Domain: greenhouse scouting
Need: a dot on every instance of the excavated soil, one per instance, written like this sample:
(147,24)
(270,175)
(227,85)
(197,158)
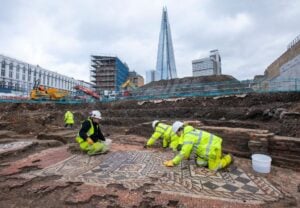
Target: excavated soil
(128,123)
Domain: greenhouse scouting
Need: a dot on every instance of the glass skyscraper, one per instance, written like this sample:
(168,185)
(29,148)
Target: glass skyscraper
(165,64)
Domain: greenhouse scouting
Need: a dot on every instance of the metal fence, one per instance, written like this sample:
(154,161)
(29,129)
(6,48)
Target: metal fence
(211,89)
(187,90)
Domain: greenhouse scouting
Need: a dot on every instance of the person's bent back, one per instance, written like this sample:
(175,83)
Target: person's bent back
(206,146)
(163,131)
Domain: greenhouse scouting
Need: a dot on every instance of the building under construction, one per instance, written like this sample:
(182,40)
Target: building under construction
(108,73)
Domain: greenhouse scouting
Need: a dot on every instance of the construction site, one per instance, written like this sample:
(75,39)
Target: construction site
(42,165)
(72,143)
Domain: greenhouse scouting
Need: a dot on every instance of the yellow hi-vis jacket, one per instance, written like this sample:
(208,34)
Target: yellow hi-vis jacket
(165,132)
(90,132)
(69,118)
(201,142)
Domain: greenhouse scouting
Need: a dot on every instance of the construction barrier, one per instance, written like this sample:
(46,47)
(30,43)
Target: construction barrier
(210,89)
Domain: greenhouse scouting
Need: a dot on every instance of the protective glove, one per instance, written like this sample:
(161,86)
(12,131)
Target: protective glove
(169,163)
(146,146)
(89,141)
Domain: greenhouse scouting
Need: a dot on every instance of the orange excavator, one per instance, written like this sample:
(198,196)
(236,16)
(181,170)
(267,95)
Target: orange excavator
(40,92)
(87,91)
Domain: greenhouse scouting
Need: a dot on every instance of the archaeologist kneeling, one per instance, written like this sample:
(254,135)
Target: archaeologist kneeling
(90,137)
(206,146)
(165,132)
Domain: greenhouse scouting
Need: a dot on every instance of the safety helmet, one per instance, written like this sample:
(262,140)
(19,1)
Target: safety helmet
(176,126)
(154,123)
(96,114)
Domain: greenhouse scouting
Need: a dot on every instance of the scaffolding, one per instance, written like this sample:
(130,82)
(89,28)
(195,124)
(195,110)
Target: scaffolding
(107,73)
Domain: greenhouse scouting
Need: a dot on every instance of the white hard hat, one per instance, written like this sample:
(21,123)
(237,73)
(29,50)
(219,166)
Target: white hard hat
(154,123)
(177,125)
(96,114)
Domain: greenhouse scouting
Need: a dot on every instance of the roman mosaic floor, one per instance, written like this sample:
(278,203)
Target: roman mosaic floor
(135,169)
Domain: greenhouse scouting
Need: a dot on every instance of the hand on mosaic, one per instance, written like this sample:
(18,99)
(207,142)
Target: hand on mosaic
(169,163)
(89,140)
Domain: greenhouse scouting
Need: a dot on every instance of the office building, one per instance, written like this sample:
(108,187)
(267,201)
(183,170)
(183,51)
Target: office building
(208,66)
(151,75)
(108,73)
(20,77)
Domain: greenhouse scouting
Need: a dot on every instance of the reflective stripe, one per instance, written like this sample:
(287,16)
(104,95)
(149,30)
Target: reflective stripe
(90,132)
(164,128)
(188,142)
(201,163)
(170,136)
(209,144)
(198,141)
(193,133)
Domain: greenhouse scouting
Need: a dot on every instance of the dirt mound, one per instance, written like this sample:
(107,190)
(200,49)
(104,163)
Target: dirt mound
(190,80)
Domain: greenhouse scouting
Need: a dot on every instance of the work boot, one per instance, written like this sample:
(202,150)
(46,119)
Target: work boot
(104,150)
(91,153)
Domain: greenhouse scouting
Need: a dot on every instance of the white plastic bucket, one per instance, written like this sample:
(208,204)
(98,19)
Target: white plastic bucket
(261,163)
(108,142)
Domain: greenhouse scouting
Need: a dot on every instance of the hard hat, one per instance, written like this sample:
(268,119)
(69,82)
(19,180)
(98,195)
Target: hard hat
(176,126)
(96,114)
(154,123)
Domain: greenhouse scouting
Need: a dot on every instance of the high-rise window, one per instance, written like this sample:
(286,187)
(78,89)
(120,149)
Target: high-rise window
(29,74)
(44,79)
(34,75)
(17,86)
(10,73)
(3,64)
(48,80)
(24,73)
(51,80)
(18,72)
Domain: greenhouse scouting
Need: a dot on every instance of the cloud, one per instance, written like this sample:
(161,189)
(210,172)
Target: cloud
(61,35)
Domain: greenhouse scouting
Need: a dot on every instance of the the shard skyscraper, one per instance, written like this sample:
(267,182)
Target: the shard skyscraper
(165,64)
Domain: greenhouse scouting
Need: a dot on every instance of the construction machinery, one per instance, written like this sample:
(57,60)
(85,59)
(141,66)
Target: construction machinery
(128,86)
(40,92)
(87,91)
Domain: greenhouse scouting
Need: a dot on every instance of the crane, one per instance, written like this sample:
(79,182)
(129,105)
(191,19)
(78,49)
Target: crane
(87,91)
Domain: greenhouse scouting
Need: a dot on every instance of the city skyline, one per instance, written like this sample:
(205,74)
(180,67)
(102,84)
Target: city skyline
(249,35)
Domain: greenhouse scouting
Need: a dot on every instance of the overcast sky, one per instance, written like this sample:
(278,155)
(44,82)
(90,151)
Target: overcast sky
(60,35)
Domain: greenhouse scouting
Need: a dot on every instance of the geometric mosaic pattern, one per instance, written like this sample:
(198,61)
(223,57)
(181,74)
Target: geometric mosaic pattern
(13,146)
(133,169)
